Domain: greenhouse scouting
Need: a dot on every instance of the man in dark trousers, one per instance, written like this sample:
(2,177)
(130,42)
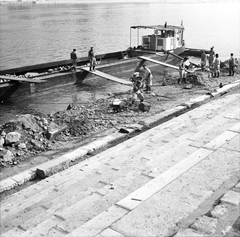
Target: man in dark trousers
(92,59)
(73,56)
(231,65)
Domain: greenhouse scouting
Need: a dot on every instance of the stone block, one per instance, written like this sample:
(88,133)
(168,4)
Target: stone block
(52,133)
(237,187)
(6,155)
(53,166)
(24,176)
(12,137)
(7,184)
(109,232)
(219,211)
(188,233)
(144,107)
(231,197)
(206,225)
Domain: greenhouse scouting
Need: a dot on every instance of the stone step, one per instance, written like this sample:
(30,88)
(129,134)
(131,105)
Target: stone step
(194,165)
(110,152)
(70,221)
(48,204)
(160,213)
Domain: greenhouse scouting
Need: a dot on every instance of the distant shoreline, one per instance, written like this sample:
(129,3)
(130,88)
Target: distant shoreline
(3,2)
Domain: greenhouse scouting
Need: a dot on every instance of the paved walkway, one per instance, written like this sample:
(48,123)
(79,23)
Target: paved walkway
(144,186)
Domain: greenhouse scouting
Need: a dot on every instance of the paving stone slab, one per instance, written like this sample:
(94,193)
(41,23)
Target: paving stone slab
(99,223)
(237,187)
(136,198)
(233,144)
(235,128)
(220,140)
(234,115)
(231,197)
(24,176)
(15,232)
(7,184)
(189,233)
(110,233)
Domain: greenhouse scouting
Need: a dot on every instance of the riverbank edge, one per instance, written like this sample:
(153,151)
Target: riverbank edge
(63,162)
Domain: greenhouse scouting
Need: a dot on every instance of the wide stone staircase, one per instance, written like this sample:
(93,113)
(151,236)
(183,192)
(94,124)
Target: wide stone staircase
(144,186)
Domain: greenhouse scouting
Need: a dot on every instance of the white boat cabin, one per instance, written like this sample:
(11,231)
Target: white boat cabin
(164,37)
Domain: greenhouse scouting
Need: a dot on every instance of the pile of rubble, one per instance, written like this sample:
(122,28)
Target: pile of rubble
(27,135)
(30,134)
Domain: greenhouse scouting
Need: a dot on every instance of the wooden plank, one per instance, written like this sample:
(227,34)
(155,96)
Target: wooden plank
(140,65)
(173,54)
(158,62)
(179,57)
(21,79)
(108,77)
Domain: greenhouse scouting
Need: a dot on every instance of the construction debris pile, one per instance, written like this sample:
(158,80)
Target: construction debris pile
(23,137)
(29,135)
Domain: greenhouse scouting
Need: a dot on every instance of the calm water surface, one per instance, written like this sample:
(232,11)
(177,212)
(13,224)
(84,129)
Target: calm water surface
(32,34)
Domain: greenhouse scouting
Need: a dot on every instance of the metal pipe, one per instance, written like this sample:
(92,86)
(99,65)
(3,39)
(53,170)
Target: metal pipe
(130,36)
(138,38)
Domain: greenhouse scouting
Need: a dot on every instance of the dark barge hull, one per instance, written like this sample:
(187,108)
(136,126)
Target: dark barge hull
(111,63)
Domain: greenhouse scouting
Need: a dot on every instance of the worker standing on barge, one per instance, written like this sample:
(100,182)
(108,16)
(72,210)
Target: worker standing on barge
(73,57)
(92,59)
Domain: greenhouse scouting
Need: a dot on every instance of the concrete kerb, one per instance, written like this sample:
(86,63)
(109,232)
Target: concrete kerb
(63,162)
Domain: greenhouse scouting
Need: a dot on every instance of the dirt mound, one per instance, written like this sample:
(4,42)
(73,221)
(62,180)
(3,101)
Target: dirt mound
(23,137)
(29,134)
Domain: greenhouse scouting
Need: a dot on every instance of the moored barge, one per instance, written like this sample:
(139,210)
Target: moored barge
(164,38)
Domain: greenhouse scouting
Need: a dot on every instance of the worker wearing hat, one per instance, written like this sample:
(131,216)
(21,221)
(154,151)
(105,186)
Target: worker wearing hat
(136,80)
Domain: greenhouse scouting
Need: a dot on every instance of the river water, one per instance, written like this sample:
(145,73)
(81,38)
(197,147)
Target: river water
(40,33)
(33,34)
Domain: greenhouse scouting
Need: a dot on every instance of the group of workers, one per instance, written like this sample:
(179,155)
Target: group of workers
(214,63)
(139,82)
(91,57)
(209,63)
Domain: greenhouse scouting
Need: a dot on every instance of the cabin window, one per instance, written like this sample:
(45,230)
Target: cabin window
(160,42)
(146,42)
